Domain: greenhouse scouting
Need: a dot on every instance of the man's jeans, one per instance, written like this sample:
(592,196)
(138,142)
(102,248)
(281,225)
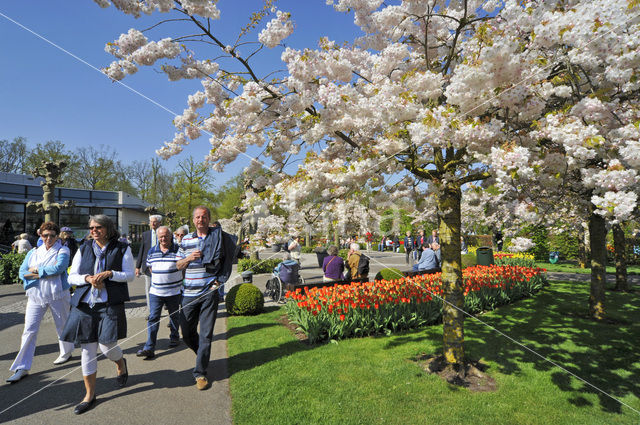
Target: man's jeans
(202,309)
(156,303)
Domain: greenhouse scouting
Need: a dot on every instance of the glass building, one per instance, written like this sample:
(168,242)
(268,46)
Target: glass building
(16,190)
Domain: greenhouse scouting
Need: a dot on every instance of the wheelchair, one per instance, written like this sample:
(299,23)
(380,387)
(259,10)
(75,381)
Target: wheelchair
(286,275)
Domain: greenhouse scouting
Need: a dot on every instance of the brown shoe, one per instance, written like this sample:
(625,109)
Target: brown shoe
(202,383)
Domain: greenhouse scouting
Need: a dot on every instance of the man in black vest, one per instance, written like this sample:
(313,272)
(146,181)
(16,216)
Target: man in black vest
(149,240)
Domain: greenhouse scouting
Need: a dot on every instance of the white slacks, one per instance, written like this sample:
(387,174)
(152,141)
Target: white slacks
(89,357)
(147,286)
(32,318)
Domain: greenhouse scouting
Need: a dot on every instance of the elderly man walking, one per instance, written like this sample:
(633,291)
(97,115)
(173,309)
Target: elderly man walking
(166,288)
(204,255)
(149,240)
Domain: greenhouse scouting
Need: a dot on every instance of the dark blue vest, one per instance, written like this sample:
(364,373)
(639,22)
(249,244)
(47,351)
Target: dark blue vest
(117,292)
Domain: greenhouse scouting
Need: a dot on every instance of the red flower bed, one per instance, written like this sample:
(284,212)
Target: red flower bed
(386,306)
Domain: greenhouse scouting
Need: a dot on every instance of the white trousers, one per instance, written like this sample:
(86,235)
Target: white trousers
(32,318)
(147,286)
(89,358)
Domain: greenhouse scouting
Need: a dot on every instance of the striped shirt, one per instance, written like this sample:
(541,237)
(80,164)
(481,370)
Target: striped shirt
(166,279)
(196,279)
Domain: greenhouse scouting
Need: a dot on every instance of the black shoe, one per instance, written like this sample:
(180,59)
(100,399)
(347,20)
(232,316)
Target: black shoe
(84,406)
(174,343)
(121,380)
(147,354)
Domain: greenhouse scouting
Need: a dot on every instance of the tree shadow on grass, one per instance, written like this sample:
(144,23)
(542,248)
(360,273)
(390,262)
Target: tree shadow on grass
(249,360)
(554,324)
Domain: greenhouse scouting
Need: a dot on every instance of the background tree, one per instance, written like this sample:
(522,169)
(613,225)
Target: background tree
(229,197)
(99,169)
(51,150)
(192,187)
(152,182)
(12,155)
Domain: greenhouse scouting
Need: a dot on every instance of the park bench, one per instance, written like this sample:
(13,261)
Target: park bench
(322,284)
(411,273)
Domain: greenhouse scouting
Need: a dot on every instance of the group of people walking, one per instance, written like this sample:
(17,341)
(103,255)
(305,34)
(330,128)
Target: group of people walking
(184,271)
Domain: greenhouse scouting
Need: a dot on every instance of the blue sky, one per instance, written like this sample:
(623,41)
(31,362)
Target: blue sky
(47,94)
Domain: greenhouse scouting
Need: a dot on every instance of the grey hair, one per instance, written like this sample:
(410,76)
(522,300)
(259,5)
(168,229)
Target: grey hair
(156,217)
(184,229)
(107,223)
(333,250)
(164,227)
(203,208)
(354,246)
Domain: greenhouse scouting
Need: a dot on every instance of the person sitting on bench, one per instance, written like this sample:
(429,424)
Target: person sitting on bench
(333,265)
(428,260)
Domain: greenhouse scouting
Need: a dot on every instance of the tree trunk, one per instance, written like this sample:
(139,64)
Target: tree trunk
(597,242)
(336,237)
(308,240)
(620,249)
(582,248)
(453,318)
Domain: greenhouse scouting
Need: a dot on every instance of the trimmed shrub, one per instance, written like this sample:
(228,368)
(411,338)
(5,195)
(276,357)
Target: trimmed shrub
(244,299)
(258,266)
(307,249)
(343,253)
(567,244)
(10,266)
(469,260)
(389,274)
(540,236)
(479,240)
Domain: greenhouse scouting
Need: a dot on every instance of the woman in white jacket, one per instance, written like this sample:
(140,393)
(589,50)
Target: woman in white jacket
(44,273)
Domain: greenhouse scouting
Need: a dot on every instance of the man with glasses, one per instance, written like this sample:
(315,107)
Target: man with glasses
(149,240)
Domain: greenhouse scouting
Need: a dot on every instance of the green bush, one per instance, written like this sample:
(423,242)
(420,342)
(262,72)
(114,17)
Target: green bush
(401,249)
(567,244)
(10,266)
(363,246)
(389,274)
(244,299)
(540,236)
(469,260)
(343,253)
(307,249)
(258,266)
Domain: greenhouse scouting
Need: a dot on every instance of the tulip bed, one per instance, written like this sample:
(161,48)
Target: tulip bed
(387,306)
(514,259)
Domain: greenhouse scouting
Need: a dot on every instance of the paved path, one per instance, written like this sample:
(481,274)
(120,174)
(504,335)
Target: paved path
(160,390)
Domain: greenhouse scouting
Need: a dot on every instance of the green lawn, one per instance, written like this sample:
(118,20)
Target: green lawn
(567,267)
(278,380)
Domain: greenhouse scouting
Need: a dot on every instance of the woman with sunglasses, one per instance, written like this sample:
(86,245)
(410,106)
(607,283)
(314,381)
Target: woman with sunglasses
(101,269)
(44,273)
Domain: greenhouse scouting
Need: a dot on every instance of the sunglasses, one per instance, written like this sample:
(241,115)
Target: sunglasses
(95,227)
(48,235)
